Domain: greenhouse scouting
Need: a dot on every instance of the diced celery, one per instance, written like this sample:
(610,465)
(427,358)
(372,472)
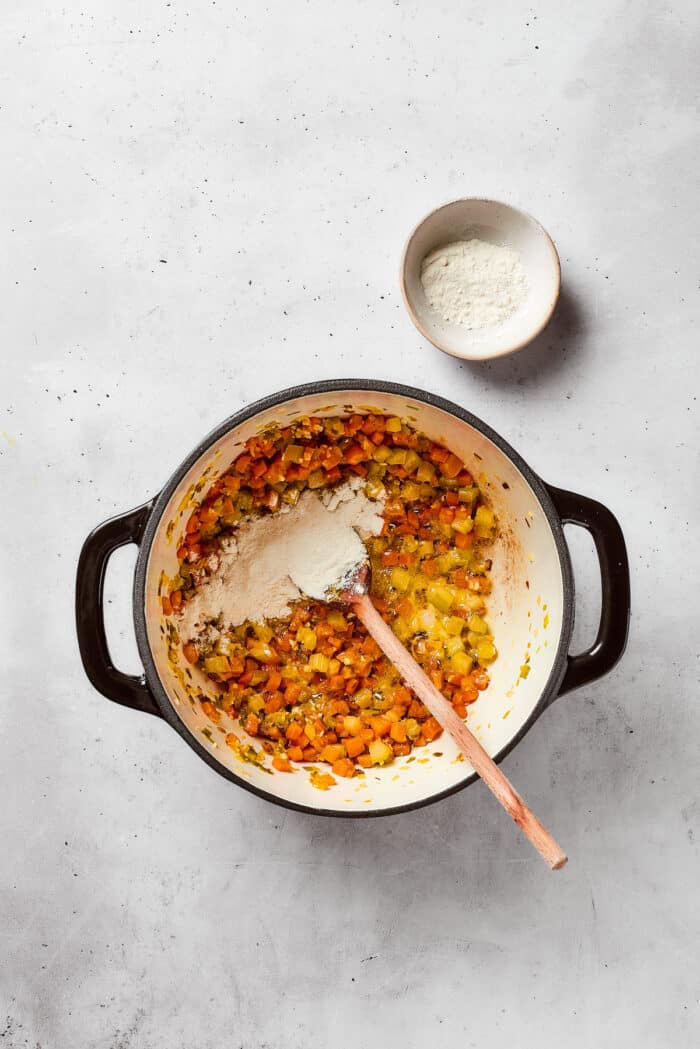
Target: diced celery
(307,637)
(462,663)
(440,596)
(468,495)
(380,752)
(336,619)
(423,620)
(478,625)
(293,453)
(244,501)
(319,663)
(316,479)
(484,522)
(393,425)
(374,489)
(453,645)
(413,460)
(463,524)
(454,625)
(410,492)
(426,548)
(412,728)
(398,457)
(446,562)
(402,628)
(261,651)
(363,698)
(465,599)
(256,703)
(376,471)
(486,651)
(216,665)
(291,496)
(263,632)
(426,473)
(400,578)
(382,453)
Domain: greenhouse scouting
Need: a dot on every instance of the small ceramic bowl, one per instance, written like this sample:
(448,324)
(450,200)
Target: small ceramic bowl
(497,223)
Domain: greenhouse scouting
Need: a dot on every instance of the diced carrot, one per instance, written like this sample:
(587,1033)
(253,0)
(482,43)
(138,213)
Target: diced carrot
(452,466)
(438,454)
(274,680)
(354,454)
(295,753)
(252,725)
(463,540)
(431,729)
(417,710)
(380,725)
(190,652)
(481,679)
(344,767)
(281,764)
(365,760)
(332,752)
(398,732)
(390,557)
(294,730)
(167,605)
(274,703)
(210,710)
(355,746)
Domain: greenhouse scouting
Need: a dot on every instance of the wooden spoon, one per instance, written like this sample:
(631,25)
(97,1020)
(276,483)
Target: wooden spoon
(356,596)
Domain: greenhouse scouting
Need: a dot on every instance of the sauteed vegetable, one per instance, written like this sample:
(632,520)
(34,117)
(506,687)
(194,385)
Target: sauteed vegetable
(314,687)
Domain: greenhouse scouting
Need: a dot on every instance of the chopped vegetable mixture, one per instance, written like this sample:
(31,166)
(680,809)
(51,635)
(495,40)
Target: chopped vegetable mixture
(315,687)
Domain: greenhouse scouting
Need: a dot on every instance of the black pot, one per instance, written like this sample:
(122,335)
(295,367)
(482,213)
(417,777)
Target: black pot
(531,610)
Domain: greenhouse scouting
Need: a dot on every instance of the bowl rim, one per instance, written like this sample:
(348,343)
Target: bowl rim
(154,522)
(415,319)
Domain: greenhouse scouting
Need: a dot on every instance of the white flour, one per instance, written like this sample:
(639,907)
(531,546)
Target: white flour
(473,283)
(273,560)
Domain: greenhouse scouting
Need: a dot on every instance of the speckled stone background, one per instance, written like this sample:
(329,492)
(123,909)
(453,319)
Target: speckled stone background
(202,203)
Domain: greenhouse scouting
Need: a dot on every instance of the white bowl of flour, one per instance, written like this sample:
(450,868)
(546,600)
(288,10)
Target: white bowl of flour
(480,279)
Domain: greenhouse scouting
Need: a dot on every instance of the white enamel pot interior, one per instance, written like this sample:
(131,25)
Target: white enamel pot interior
(530,610)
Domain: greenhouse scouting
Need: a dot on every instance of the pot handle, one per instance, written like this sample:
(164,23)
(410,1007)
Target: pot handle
(609,541)
(99,546)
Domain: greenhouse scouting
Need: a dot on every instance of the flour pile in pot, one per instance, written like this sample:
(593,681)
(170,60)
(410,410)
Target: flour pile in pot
(317,542)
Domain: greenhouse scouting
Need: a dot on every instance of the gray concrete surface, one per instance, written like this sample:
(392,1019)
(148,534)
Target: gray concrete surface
(203,203)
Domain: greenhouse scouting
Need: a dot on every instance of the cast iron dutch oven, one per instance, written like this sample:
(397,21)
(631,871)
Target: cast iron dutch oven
(531,610)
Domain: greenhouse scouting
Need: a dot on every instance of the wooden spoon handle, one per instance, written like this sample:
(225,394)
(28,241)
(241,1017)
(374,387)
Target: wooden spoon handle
(445,714)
